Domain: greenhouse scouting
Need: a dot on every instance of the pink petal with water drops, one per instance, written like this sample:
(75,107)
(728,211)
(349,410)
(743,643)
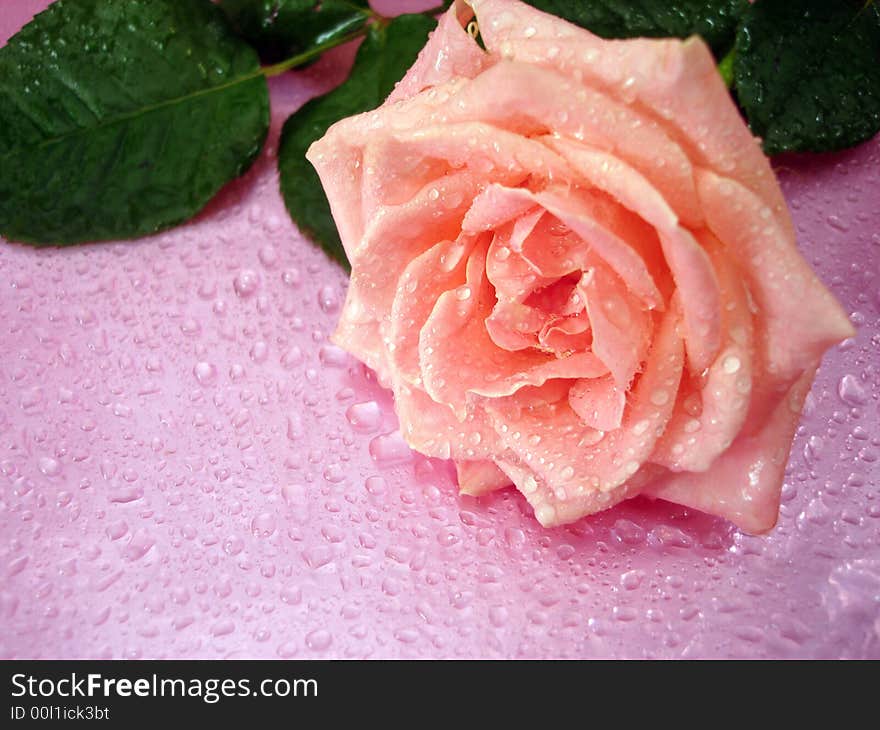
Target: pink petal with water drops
(565,335)
(597,225)
(599,402)
(800,319)
(458,357)
(690,266)
(744,483)
(514,326)
(439,269)
(495,206)
(673,83)
(449,53)
(358,333)
(435,430)
(575,470)
(476,478)
(621,330)
(712,407)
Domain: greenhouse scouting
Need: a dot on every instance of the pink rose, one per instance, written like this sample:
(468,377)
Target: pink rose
(573,264)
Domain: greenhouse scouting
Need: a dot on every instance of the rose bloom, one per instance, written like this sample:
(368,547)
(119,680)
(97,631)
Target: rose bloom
(574,267)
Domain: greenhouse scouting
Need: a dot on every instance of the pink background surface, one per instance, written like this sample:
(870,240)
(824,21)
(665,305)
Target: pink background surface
(189,469)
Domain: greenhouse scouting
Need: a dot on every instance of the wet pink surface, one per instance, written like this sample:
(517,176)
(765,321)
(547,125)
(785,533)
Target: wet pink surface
(189,469)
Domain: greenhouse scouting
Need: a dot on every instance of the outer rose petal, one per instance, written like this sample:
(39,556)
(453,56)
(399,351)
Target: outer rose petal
(713,407)
(672,82)
(495,97)
(399,163)
(380,239)
(573,470)
(449,53)
(576,111)
(476,478)
(401,234)
(743,485)
(439,269)
(358,333)
(432,428)
(798,317)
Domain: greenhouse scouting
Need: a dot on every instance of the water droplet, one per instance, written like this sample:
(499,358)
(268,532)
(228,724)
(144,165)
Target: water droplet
(390,449)
(327,299)
(205,373)
(319,639)
(292,358)
(223,628)
(140,544)
(660,397)
(287,650)
(246,282)
(851,391)
(731,364)
(233,545)
(259,352)
(291,277)
(632,579)
(50,466)
(263,525)
(268,255)
(365,417)
(291,595)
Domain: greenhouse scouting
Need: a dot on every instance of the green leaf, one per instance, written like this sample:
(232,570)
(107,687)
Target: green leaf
(121,118)
(807,73)
(383,58)
(714,20)
(282,28)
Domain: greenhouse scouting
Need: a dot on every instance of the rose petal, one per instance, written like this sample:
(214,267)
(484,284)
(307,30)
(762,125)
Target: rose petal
(439,269)
(380,250)
(396,236)
(599,402)
(458,357)
(573,470)
(495,206)
(573,109)
(712,409)
(744,483)
(513,277)
(691,267)
(358,333)
(594,223)
(567,335)
(398,162)
(449,53)
(671,82)
(476,478)
(513,326)
(800,318)
(432,428)
(598,225)
(621,331)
